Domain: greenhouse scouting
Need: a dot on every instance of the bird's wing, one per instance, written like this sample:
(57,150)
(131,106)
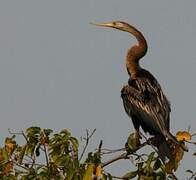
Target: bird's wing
(149,102)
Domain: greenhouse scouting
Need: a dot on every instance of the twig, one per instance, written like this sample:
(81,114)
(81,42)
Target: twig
(149,143)
(46,155)
(191,142)
(110,151)
(25,137)
(173,176)
(33,161)
(194,134)
(121,156)
(193,176)
(140,156)
(100,146)
(27,164)
(19,133)
(15,133)
(116,177)
(87,141)
(19,165)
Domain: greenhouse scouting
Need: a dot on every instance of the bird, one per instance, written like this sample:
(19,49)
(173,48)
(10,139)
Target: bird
(143,98)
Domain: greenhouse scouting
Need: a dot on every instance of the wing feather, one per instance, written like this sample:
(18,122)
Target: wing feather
(148,102)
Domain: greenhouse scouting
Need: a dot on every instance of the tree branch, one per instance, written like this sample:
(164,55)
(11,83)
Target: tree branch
(123,155)
(46,155)
(87,138)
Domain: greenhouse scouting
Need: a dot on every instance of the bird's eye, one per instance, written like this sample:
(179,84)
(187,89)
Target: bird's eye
(118,24)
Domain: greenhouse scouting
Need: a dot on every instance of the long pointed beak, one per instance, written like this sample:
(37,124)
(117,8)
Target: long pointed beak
(109,24)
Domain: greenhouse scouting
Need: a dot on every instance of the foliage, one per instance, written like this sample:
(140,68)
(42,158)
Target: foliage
(48,155)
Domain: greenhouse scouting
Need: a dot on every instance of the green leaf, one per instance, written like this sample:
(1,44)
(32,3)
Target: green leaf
(74,142)
(157,164)
(142,177)
(33,130)
(133,143)
(5,155)
(160,175)
(109,176)
(63,160)
(89,172)
(47,132)
(150,158)
(30,149)
(104,177)
(140,166)
(21,154)
(37,151)
(65,132)
(130,175)
(10,140)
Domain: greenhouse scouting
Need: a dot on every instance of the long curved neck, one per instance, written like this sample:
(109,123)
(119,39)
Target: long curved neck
(136,52)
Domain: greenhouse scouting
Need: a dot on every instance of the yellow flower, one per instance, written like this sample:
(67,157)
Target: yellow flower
(98,171)
(183,136)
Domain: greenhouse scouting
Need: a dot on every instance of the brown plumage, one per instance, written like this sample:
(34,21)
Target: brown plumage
(143,98)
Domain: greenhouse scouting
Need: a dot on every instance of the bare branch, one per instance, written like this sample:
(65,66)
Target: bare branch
(149,142)
(121,156)
(100,146)
(46,155)
(194,134)
(192,176)
(87,138)
(111,151)
(116,177)
(173,176)
(19,133)
(191,142)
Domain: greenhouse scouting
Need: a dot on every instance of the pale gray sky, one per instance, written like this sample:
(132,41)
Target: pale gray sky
(57,71)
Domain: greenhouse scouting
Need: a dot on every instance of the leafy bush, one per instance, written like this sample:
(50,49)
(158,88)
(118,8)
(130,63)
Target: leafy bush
(48,155)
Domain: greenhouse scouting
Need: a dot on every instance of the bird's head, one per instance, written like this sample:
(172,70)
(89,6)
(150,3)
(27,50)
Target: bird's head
(123,26)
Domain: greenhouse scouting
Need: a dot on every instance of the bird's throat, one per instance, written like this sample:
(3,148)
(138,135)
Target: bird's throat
(133,68)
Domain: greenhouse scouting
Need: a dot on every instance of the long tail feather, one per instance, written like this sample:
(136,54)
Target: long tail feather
(164,150)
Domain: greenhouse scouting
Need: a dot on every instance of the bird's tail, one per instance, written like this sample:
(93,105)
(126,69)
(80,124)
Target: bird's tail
(167,144)
(164,150)
(171,137)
